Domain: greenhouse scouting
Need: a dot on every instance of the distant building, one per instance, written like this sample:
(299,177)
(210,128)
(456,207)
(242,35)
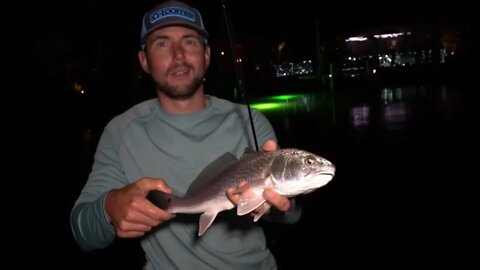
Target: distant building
(391,51)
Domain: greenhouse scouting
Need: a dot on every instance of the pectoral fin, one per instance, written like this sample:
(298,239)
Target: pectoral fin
(250,199)
(206,220)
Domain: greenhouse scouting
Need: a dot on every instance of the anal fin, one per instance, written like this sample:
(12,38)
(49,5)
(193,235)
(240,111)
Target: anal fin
(206,219)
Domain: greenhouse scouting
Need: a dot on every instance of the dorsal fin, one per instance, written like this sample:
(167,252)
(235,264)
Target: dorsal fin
(211,170)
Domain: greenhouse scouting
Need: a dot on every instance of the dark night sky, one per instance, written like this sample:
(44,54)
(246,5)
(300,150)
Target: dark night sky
(95,18)
(44,35)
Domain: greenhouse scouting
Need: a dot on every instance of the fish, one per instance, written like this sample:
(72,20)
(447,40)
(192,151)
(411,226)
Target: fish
(288,171)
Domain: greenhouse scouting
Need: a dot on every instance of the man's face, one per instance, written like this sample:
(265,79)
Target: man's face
(177,59)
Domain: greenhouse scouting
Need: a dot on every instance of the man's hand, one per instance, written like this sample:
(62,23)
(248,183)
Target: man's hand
(129,211)
(276,200)
(269,145)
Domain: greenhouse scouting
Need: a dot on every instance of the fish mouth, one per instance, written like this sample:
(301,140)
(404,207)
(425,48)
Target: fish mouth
(323,177)
(324,173)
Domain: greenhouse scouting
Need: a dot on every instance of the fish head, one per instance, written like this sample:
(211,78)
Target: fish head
(296,171)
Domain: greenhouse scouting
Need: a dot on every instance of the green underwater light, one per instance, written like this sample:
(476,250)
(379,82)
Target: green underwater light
(276,103)
(268,106)
(284,97)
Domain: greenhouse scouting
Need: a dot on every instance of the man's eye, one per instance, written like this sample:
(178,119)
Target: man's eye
(161,44)
(191,41)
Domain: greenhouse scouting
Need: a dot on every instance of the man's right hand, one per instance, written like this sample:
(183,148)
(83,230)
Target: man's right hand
(131,213)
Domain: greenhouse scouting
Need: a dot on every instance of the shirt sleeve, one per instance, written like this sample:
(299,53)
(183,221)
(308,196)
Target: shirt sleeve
(88,220)
(90,225)
(263,128)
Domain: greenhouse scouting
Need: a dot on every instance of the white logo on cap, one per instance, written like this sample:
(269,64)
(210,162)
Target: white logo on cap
(172,12)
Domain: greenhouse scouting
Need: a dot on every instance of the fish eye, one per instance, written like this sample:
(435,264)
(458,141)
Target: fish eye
(309,161)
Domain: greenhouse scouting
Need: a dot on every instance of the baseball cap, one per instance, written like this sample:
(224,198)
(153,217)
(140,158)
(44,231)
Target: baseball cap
(172,13)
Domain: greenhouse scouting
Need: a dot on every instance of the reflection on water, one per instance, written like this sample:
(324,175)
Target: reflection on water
(395,110)
(360,116)
(386,112)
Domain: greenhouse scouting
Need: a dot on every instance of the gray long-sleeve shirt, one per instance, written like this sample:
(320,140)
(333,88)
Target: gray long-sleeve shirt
(146,141)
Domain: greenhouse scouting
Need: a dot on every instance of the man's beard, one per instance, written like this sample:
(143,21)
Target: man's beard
(180,92)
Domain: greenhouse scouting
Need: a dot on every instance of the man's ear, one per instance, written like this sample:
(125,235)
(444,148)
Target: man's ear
(207,57)
(142,57)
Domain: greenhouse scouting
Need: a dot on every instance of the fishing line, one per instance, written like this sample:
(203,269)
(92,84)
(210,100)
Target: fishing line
(238,70)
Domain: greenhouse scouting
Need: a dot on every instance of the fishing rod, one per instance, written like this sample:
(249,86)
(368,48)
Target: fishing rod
(237,68)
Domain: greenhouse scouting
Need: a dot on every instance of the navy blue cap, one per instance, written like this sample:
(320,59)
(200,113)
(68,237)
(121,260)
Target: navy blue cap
(172,13)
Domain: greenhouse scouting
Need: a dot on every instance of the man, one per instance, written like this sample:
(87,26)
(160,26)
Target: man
(163,144)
